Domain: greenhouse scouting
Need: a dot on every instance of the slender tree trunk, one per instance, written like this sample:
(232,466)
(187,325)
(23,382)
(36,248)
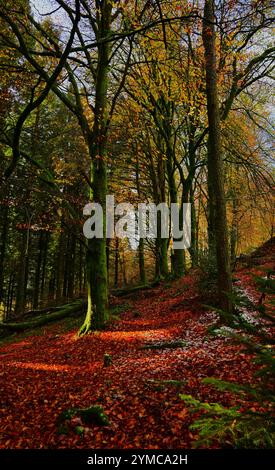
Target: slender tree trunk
(67,266)
(215,162)
(22,274)
(44,264)
(108,240)
(194,247)
(234,230)
(116,261)
(178,258)
(3,245)
(164,124)
(59,270)
(161,267)
(80,268)
(142,274)
(37,271)
(71,268)
(161,246)
(123,267)
(10,296)
(212,249)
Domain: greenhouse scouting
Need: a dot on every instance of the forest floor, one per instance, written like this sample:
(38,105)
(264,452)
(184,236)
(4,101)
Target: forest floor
(47,371)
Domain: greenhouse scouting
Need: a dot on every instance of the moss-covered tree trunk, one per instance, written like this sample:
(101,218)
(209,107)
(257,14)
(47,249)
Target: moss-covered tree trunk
(97,277)
(97,262)
(215,162)
(75,308)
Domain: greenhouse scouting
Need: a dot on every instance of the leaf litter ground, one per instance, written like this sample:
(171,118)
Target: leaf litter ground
(43,375)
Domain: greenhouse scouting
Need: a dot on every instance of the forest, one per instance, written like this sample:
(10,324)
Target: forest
(135,340)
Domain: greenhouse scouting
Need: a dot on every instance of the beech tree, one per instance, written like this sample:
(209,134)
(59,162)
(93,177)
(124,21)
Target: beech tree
(215,161)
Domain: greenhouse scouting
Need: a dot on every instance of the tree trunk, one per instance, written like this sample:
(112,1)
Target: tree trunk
(96,261)
(97,276)
(22,274)
(178,258)
(71,269)
(123,266)
(142,274)
(116,261)
(193,248)
(212,249)
(10,296)
(60,263)
(44,264)
(66,266)
(80,269)
(234,230)
(37,271)
(161,267)
(215,163)
(75,308)
(4,237)
(108,241)
(161,245)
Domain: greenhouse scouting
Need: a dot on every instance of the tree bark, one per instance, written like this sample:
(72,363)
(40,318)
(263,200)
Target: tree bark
(234,230)
(178,258)
(116,261)
(142,274)
(44,264)
(10,293)
(71,270)
(60,263)
(161,245)
(194,247)
(37,271)
(22,273)
(215,162)
(97,276)
(4,237)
